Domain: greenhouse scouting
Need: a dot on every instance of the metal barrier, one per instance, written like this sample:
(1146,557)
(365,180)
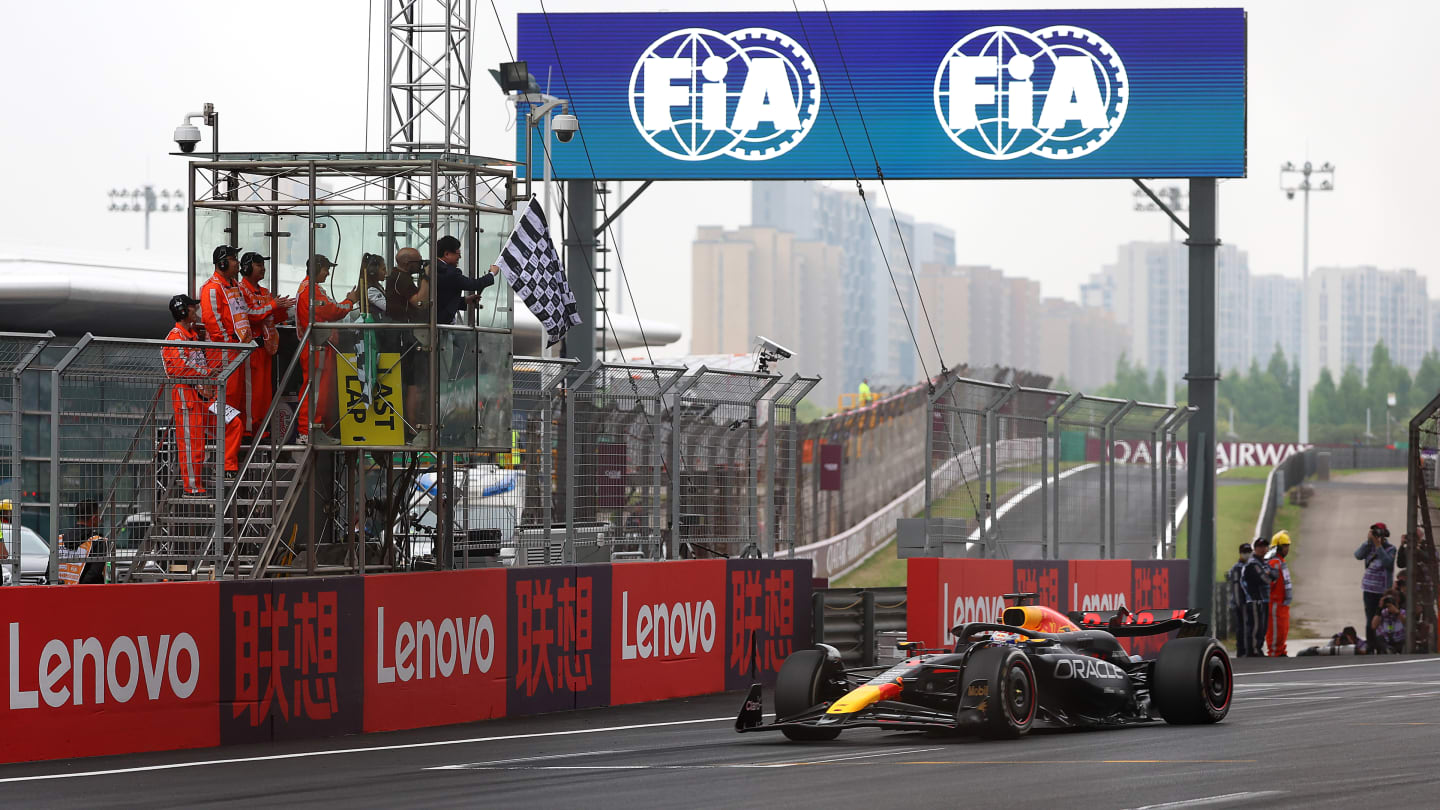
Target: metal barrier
(781,439)
(1422,514)
(715,464)
(17,352)
(137,472)
(616,432)
(850,619)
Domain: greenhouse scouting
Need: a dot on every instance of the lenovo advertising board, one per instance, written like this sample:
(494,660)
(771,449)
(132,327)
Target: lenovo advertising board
(109,669)
(558,638)
(291,654)
(668,630)
(768,617)
(434,648)
(915,94)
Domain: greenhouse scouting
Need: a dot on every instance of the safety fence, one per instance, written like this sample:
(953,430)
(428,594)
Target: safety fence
(130,668)
(613,462)
(1422,515)
(1009,473)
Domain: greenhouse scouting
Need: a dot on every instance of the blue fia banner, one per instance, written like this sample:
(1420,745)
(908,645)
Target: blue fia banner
(912,94)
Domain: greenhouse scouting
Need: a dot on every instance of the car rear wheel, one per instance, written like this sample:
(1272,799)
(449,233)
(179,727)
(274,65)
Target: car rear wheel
(1012,700)
(799,687)
(1192,681)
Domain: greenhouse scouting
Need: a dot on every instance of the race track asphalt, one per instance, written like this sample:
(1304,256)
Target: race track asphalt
(1303,733)
(1019,526)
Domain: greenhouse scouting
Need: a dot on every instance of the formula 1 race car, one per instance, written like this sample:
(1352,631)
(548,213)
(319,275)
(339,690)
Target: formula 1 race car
(1036,665)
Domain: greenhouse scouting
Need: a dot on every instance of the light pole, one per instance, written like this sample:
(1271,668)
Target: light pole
(147,201)
(540,111)
(1174,198)
(1305,179)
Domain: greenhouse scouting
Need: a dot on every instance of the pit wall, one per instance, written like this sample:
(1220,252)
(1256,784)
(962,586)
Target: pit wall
(943,593)
(111,669)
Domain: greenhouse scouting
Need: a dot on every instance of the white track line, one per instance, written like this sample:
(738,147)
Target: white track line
(1340,666)
(1210,801)
(340,751)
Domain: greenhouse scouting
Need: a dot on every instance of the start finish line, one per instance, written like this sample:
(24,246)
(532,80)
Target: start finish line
(935,94)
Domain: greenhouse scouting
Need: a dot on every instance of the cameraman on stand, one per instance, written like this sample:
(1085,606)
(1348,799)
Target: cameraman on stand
(407,300)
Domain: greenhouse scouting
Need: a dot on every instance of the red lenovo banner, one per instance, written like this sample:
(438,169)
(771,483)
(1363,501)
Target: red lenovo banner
(109,669)
(944,593)
(768,617)
(291,654)
(558,638)
(434,653)
(667,636)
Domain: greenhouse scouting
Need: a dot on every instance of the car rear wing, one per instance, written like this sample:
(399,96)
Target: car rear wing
(1148,622)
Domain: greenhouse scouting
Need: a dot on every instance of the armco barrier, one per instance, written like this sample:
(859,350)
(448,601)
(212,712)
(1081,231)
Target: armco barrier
(947,592)
(108,669)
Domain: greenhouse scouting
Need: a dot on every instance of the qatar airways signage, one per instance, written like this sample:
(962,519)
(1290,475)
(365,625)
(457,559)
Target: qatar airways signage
(1227,454)
(915,94)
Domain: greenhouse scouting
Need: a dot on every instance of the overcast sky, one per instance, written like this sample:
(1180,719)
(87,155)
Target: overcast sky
(94,89)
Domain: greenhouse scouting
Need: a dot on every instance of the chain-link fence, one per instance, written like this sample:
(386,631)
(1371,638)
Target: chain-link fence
(1422,517)
(20,544)
(781,440)
(139,458)
(715,457)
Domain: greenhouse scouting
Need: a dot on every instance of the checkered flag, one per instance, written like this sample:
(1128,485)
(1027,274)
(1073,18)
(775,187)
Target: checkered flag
(532,267)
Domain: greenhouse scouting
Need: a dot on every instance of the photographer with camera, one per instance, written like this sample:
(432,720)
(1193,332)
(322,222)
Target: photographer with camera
(407,300)
(1388,627)
(1379,558)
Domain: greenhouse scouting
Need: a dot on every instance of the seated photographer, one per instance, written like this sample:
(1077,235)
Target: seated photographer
(1388,627)
(1345,642)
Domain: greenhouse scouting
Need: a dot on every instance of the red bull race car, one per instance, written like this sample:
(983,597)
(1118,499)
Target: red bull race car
(1034,666)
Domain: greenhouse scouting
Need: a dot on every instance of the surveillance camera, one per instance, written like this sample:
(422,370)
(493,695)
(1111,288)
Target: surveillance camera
(774,348)
(565,127)
(186,137)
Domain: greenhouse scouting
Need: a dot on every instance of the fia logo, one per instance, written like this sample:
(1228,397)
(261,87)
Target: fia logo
(697,94)
(1059,92)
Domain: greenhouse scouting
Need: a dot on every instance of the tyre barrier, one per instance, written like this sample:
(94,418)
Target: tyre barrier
(112,669)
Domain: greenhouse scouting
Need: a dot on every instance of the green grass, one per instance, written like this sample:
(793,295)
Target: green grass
(1235,512)
(1334,472)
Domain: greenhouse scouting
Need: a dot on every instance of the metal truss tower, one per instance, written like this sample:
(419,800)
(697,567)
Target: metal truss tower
(427,68)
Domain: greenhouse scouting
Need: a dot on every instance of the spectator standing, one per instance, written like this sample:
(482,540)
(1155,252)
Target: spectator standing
(1234,585)
(1281,593)
(1379,558)
(1256,578)
(325,310)
(227,320)
(864,391)
(451,285)
(265,312)
(190,403)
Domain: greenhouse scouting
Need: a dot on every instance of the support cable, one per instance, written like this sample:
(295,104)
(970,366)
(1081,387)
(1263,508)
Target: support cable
(881,244)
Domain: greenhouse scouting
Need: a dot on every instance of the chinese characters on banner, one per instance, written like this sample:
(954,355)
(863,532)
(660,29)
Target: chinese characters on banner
(559,639)
(768,617)
(291,651)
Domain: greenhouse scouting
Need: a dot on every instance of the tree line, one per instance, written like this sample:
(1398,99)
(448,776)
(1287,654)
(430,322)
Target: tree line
(1264,402)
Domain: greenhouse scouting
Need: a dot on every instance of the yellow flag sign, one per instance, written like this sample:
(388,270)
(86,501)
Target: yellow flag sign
(379,418)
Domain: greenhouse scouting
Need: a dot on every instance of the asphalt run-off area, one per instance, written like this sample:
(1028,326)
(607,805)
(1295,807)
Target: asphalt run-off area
(1309,732)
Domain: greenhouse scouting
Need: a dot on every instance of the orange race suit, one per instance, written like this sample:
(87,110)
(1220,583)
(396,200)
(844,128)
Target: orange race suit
(265,312)
(325,310)
(1280,594)
(191,403)
(227,320)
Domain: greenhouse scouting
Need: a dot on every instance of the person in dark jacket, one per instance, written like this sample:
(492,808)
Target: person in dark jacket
(1236,590)
(1256,578)
(1379,558)
(451,283)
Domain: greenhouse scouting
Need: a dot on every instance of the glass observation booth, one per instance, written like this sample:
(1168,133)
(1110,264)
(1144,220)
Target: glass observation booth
(402,402)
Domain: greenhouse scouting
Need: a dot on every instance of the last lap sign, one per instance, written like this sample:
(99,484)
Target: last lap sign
(374,416)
